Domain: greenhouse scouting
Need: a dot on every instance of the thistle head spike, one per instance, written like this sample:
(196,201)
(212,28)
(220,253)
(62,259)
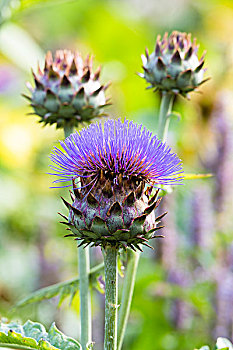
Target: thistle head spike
(147,53)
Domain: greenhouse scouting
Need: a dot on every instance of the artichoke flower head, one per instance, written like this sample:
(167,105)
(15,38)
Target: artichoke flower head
(67,91)
(114,168)
(174,65)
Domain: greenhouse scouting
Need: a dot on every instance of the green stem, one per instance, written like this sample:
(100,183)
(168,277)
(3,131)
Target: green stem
(84,270)
(85,298)
(165,110)
(68,129)
(128,288)
(133,258)
(111,293)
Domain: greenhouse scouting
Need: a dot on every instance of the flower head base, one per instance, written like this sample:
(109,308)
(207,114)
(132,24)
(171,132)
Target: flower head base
(114,169)
(174,65)
(67,91)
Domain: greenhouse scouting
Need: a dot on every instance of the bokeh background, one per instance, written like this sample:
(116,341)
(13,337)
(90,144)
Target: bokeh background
(184,289)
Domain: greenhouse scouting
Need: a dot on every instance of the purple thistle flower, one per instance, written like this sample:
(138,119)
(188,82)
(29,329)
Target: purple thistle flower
(116,167)
(119,150)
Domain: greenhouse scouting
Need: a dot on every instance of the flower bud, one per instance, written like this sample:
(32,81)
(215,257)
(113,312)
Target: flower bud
(67,91)
(174,65)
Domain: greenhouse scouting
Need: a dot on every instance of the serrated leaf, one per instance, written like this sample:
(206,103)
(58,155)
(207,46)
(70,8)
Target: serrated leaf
(33,335)
(61,341)
(63,289)
(224,343)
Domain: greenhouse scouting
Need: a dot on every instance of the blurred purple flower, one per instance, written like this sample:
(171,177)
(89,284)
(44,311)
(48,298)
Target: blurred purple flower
(222,164)
(181,312)
(202,225)
(120,150)
(169,247)
(8,78)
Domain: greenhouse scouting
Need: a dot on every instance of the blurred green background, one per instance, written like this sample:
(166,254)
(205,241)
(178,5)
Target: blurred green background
(184,290)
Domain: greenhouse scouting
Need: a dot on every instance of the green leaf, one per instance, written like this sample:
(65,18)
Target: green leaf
(196,176)
(63,289)
(33,335)
(205,347)
(224,343)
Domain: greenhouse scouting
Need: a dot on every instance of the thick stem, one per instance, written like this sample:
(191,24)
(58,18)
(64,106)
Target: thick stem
(129,280)
(165,110)
(68,129)
(84,270)
(85,299)
(111,294)
(128,288)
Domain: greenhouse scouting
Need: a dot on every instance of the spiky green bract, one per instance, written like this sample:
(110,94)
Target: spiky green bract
(174,65)
(114,169)
(67,91)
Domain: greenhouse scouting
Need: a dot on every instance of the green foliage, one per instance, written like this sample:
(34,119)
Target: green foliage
(33,335)
(63,289)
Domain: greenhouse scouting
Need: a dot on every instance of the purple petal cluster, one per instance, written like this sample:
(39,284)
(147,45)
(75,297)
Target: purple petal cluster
(116,148)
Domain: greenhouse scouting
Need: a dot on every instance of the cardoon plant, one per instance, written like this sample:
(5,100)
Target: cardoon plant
(67,93)
(172,69)
(114,169)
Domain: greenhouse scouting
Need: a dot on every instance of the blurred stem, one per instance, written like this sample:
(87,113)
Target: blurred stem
(85,297)
(3,3)
(133,258)
(111,294)
(165,110)
(68,129)
(84,270)
(128,288)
